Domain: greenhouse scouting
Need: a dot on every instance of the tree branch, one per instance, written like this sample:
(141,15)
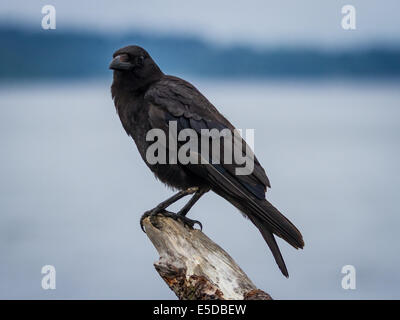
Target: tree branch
(195,267)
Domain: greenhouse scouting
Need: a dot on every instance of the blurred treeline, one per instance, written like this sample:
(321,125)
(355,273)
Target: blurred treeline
(73,54)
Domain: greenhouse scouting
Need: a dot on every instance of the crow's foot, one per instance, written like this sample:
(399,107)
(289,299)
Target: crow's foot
(177,217)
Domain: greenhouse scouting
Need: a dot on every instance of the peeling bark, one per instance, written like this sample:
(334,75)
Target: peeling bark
(194,267)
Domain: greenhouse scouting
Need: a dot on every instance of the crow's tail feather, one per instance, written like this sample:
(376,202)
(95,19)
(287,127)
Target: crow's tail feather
(265,212)
(261,213)
(270,239)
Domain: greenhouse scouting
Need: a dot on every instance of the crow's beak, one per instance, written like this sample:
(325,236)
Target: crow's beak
(120,62)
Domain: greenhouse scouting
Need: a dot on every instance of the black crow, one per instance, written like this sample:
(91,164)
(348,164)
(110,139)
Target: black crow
(145,98)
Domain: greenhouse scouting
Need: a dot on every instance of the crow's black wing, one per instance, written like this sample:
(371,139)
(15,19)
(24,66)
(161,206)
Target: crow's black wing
(182,102)
(173,99)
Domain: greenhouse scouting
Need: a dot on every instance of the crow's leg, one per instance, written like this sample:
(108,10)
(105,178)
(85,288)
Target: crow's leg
(165,204)
(160,208)
(181,215)
(199,193)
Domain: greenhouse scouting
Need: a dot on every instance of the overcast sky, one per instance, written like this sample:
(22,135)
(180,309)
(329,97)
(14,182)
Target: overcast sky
(259,22)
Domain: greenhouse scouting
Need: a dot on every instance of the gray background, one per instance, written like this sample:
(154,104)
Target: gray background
(72,185)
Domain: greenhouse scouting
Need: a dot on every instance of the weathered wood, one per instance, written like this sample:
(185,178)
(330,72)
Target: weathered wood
(196,268)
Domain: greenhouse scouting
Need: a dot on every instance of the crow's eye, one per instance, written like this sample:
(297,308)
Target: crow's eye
(140,60)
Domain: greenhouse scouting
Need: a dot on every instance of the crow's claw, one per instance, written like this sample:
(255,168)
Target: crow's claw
(151,214)
(186,221)
(144,216)
(177,217)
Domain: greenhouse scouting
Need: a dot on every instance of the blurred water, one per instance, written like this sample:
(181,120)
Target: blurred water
(72,189)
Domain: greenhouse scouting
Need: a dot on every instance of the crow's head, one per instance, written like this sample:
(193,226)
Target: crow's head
(133,66)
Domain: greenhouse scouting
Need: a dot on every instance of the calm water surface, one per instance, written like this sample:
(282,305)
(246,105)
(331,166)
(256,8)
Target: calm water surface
(73,186)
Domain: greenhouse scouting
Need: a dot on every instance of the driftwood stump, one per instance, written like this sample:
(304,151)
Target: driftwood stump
(196,268)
